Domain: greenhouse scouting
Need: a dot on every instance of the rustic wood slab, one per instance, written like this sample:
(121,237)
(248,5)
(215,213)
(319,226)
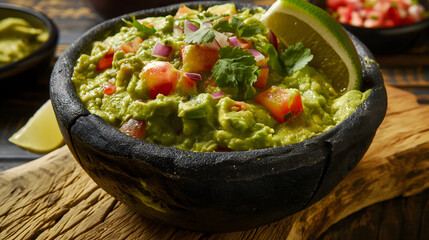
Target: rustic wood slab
(53,198)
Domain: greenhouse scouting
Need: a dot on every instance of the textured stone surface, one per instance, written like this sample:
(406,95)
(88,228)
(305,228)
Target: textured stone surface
(212,191)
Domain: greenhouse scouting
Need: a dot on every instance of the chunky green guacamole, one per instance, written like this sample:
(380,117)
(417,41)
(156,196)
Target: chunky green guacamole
(220,83)
(18,39)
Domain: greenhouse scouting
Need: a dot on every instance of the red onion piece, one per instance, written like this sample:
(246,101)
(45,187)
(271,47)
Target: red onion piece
(272,39)
(258,56)
(194,76)
(190,27)
(221,38)
(161,50)
(208,24)
(234,41)
(178,31)
(217,95)
(265,66)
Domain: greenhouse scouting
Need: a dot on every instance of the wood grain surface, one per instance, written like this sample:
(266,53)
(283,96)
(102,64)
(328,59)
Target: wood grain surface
(53,198)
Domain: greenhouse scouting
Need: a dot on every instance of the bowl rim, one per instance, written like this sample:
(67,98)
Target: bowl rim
(186,160)
(33,58)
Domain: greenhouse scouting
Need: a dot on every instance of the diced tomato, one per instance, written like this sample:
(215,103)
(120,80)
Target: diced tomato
(222,18)
(345,13)
(243,43)
(161,77)
(197,58)
(131,46)
(109,88)
(334,4)
(134,128)
(239,106)
(283,105)
(106,61)
(262,78)
(408,20)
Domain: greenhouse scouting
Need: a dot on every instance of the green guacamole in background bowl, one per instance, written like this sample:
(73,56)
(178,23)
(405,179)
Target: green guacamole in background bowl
(207,80)
(19,39)
(28,40)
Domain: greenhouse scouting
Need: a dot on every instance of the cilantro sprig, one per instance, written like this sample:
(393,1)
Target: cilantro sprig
(292,59)
(203,34)
(236,67)
(235,25)
(142,28)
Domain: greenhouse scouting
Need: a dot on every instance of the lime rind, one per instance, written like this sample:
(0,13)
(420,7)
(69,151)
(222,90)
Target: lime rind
(327,28)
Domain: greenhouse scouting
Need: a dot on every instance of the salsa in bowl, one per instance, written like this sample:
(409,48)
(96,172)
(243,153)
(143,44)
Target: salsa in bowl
(221,189)
(384,26)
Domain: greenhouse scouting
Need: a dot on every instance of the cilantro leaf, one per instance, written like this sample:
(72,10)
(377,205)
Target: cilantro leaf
(222,26)
(203,34)
(247,31)
(295,57)
(274,60)
(235,25)
(208,19)
(139,26)
(236,67)
(292,59)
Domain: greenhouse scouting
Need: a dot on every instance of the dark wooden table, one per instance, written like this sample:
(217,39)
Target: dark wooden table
(400,218)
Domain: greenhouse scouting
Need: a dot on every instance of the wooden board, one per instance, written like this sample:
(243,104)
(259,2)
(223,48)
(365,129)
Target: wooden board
(53,198)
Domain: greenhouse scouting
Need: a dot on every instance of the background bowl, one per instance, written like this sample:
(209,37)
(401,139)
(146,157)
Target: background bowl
(39,60)
(388,40)
(218,191)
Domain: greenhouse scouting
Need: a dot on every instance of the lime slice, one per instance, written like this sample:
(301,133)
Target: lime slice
(334,53)
(41,133)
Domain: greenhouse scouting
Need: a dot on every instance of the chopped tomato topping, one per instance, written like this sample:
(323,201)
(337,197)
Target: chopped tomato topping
(161,78)
(262,78)
(244,43)
(222,18)
(131,46)
(239,106)
(197,58)
(106,61)
(282,104)
(134,128)
(109,88)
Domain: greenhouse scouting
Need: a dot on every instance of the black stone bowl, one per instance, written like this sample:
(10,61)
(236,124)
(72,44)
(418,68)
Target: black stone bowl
(26,69)
(389,40)
(217,191)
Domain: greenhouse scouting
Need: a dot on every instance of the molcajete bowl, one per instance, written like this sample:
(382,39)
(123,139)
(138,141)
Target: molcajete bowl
(216,191)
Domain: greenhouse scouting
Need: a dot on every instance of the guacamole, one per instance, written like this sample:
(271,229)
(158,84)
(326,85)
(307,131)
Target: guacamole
(18,39)
(209,80)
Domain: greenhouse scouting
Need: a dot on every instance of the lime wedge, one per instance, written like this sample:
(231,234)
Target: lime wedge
(41,133)
(334,53)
